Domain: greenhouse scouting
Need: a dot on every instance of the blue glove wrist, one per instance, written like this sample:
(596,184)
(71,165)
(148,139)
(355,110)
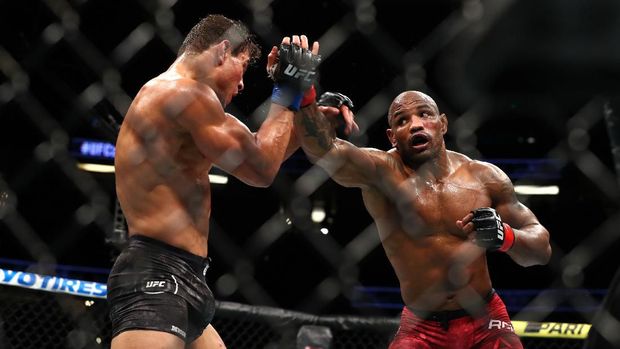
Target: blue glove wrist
(287,96)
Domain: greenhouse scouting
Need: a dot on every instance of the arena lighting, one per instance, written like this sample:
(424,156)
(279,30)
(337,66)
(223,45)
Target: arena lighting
(218,179)
(318,214)
(537,189)
(100,168)
(324,231)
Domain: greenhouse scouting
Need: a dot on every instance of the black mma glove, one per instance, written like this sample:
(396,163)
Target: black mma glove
(335,99)
(294,73)
(490,232)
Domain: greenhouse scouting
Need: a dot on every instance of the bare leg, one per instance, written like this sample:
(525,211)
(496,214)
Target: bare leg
(144,339)
(209,339)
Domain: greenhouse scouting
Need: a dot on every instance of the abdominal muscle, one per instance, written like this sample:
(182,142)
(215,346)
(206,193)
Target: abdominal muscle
(439,271)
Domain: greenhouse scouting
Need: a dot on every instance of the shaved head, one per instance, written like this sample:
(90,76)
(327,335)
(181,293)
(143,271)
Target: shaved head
(410,99)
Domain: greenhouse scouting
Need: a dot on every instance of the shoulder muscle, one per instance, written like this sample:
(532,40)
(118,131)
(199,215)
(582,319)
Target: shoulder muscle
(496,181)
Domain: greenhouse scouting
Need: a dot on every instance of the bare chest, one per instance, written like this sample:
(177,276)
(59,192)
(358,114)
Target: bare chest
(435,207)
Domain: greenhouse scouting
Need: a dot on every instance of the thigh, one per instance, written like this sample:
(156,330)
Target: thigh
(209,339)
(504,340)
(150,312)
(409,343)
(409,339)
(496,331)
(144,339)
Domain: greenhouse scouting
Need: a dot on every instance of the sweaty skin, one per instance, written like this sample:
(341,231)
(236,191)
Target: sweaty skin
(176,130)
(420,196)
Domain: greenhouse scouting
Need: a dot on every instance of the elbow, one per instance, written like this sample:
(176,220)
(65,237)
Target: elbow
(257,177)
(263,183)
(257,182)
(536,251)
(546,257)
(539,256)
(265,178)
(532,261)
(540,259)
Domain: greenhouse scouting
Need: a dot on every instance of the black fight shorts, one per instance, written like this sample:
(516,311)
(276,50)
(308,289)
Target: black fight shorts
(155,286)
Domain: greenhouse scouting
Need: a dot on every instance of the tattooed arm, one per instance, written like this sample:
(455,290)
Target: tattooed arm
(347,164)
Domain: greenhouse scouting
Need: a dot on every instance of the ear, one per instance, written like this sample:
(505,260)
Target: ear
(444,123)
(221,50)
(391,137)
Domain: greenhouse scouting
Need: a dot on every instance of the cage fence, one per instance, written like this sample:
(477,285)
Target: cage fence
(69,70)
(39,315)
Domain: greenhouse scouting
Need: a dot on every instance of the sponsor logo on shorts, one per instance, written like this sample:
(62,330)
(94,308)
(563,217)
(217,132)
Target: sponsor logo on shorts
(155,286)
(155,283)
(178,330)
(500,325)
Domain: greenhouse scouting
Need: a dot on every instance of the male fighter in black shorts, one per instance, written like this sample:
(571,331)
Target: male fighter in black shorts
(174,132)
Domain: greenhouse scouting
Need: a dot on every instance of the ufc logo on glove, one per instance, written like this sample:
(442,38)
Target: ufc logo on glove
(294,72)
(490,232)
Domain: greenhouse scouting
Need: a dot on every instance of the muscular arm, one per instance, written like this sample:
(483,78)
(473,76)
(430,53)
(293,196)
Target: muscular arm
(347,164)
(253,158)
(293,145)
(531,245)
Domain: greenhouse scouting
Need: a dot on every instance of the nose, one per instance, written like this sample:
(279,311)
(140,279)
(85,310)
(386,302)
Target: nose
(240,86)
(415,125)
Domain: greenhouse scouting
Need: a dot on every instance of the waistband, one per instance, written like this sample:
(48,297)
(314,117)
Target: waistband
(198,263)
(446,315)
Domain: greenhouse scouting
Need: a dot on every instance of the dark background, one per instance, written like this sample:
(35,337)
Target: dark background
(521,80)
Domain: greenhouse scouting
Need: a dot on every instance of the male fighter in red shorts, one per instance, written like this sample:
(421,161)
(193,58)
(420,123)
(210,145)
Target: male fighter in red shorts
(437,212)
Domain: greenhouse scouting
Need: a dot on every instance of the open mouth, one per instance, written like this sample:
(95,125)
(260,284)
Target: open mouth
(419,140)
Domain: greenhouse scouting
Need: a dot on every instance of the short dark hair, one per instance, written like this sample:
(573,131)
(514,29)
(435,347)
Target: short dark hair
(215,28)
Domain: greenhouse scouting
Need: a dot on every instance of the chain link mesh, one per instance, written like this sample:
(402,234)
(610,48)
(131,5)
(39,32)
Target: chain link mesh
(35,319)
(516,83)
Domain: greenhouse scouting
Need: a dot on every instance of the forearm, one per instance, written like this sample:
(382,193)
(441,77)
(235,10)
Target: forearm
(273,142)
(293,145)
(315,132)
(531,245)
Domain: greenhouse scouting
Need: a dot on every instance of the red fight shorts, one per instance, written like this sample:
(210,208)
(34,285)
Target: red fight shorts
(457,329)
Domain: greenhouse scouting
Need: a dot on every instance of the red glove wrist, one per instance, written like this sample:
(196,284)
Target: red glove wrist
(509,238)
(309,97)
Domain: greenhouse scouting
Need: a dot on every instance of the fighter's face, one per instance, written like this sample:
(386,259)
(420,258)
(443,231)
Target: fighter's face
(416,126)
(232,75)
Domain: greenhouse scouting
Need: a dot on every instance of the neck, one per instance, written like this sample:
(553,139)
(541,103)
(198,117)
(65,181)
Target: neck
(197,68)
(192,67)
(436,167)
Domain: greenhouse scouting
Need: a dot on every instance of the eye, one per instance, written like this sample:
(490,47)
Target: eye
(425,114)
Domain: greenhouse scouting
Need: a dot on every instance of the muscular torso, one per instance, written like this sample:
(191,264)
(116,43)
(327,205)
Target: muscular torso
(437,267)
(162,179)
